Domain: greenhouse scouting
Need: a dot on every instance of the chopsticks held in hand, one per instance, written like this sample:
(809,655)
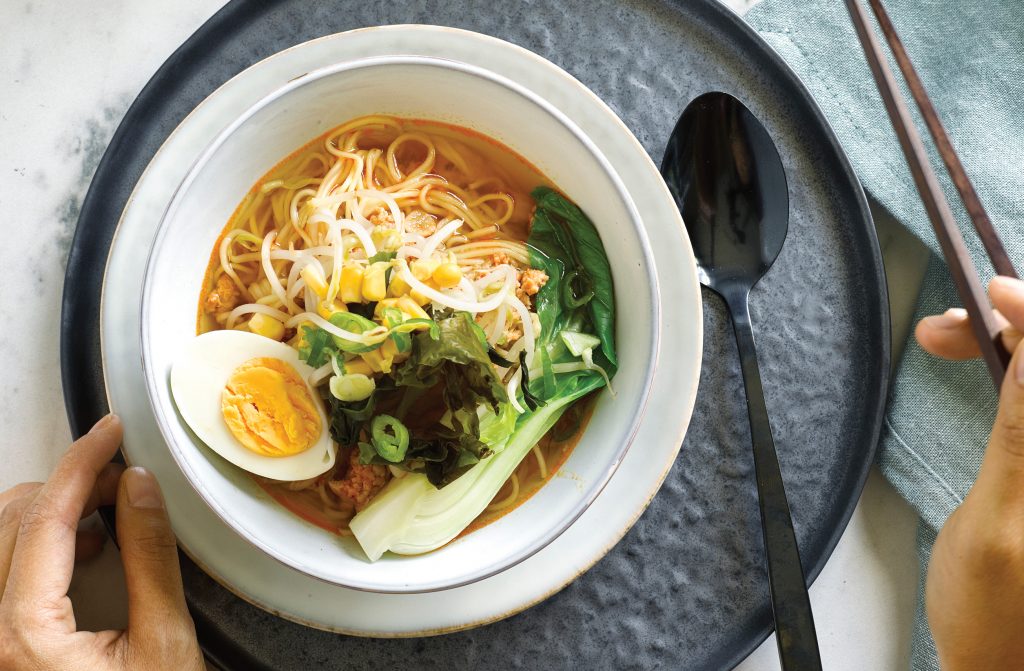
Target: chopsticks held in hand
(965,276)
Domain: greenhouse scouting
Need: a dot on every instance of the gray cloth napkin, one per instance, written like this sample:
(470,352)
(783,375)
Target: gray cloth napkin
(970,56)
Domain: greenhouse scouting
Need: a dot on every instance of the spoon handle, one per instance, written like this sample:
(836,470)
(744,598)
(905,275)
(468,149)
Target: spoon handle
(791,607)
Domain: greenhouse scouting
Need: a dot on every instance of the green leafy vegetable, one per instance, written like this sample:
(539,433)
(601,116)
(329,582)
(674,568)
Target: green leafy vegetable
(349,417)
(316,346)
(532,402)
(455,358)
(383,256)
(498,360)
(458,359)
(579,342)
(579,291)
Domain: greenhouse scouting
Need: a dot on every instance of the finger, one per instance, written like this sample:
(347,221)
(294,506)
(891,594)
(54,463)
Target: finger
(156,599)
(10,521)
(89,544)
(18,491)
(1002,469)
(12,506)
(44,550)
(1008,297)
(950,336)
(86,543)
(104,492)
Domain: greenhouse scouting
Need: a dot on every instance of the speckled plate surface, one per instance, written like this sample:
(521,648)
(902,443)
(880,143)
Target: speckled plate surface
(686,587)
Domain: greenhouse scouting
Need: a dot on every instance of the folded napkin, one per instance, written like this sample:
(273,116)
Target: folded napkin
(971,59)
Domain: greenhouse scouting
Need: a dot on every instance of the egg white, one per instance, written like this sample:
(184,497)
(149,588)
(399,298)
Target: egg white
(198,378)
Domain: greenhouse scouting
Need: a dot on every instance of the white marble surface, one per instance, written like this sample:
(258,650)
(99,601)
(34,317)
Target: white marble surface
(68,72)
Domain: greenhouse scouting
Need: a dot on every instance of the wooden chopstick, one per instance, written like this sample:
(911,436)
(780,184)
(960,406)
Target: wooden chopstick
(965,275)
(982,224)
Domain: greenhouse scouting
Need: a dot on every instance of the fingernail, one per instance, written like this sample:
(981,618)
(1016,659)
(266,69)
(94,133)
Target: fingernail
(103,422)
(951,319)
(142,489)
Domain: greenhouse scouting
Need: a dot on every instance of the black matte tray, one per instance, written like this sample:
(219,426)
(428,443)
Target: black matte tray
(686,588)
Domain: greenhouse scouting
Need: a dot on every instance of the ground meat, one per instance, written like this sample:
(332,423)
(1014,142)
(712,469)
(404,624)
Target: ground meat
(418,221)
(530,282)
(361,482)
(498,258)
(513,332)
(223,297)
(381,217)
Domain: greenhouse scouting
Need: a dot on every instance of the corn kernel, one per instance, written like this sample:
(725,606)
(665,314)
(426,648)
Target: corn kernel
(397,357)
(326,309)
(382,358)
(422,269)
(358,365)
(351,283)
(398,286)
(386,303)
(297,340)
(266,326)
(447,275)
(409,306)
(373,360)
(388,352)
(418,298)
(374,287)
(315,280)
(386,239)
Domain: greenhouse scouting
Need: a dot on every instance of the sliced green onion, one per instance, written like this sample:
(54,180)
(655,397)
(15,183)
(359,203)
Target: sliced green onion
(390,438)
(392,317)
(339,369)
(350,321)
(411,324)
(352,387)
(403,341)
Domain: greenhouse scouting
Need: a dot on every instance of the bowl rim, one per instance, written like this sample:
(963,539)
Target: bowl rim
(152,379)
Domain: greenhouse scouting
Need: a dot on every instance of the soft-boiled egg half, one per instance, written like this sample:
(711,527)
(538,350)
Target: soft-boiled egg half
(248,398)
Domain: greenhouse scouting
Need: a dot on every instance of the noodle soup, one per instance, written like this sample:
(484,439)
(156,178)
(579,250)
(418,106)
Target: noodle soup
(452,314)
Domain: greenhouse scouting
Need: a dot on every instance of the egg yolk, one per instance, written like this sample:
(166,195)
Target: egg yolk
(268,408)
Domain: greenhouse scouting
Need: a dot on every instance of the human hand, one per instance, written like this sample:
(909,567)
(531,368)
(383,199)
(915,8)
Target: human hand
(38,524)
(974,594)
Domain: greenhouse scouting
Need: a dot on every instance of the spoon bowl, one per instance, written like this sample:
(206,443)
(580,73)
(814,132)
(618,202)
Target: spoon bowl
(727,179)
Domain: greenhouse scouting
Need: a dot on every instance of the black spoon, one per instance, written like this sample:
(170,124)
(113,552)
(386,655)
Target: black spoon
(728,181)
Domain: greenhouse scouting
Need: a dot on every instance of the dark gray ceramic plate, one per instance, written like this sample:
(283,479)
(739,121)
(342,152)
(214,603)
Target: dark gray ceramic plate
(686,588)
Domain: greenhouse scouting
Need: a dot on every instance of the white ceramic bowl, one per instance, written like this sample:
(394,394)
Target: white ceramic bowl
(424,88)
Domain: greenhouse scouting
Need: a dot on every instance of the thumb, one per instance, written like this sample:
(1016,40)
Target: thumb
(156,600)
(1003,465)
